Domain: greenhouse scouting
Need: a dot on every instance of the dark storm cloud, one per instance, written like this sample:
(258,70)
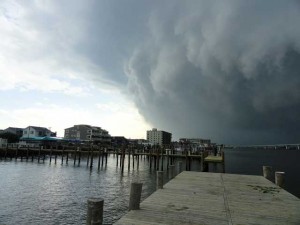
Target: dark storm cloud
(226,70)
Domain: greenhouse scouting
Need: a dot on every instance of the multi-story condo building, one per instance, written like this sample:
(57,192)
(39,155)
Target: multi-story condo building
(158,137)
(85,132)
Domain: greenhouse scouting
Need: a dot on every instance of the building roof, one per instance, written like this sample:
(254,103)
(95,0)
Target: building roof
(39,128)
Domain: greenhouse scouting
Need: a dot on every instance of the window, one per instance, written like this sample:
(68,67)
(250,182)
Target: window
(31,132)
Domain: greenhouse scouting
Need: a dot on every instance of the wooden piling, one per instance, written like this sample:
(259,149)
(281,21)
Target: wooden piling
(39,154)
(88,159)
(267,171)
(102,159)
(279,178)
(92,158)
(50,154)
(55,158)
(159,179)
(67,158)
(128,159)
(204,165)
(75,156)
(99,158)
(6,150)
(171,171)
(117,155)
(62,154)
(179,166)
(162,159)
(123,159)
(95,211)
(79,157)
(27,153)
(16,156)
(135,196)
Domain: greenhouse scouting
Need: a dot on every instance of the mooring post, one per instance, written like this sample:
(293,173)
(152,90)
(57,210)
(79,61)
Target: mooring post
(79,156)
(159,179)
(102,159)
(179,166)
(171,171)
(50,154)
(39,154)
(55,158)
(204,165)
(88,159)
(95,211)
(128,164)
(279,178)
(135,196)
(117,155)
(62,154)
(92,157)
(17,152)
(99,158)
(123,159)
(267,171)
(27,153)
(67,158)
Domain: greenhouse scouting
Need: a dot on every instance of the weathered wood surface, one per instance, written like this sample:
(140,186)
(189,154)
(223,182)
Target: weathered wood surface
(212,158)
(217,199)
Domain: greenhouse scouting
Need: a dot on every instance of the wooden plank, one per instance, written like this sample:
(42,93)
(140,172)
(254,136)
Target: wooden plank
(212,158)
(216,198)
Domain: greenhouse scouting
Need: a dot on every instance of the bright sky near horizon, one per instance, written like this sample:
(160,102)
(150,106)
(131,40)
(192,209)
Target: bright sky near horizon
(224,70)
(43,84)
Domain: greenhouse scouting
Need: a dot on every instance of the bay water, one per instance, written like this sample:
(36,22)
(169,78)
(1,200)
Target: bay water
(44,193)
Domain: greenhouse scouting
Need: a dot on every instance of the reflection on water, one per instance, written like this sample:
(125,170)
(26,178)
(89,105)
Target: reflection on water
(45,193)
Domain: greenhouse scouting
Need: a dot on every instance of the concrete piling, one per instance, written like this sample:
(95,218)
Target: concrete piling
(135,196)
(95,211)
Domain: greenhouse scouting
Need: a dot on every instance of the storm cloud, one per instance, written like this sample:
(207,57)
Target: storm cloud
(225,70)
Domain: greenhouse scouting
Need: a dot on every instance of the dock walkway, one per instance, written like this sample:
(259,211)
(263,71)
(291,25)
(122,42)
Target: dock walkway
(217,199)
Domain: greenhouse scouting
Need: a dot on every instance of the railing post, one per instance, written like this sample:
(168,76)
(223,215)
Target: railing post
(95,211)
(135,196)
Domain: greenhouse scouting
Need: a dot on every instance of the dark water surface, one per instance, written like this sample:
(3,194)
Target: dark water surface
(40,193)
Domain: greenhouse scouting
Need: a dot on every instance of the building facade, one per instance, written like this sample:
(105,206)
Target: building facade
(14,130)
(85,132)
(33,132)
(195,141)
(159,137)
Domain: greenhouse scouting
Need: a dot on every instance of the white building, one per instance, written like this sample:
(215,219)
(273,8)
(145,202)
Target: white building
(158,137)
(3,142)
(33,132)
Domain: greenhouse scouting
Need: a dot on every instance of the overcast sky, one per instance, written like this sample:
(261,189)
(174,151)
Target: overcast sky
(225,70)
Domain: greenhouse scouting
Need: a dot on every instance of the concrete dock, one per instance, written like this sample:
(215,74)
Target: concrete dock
(217,199)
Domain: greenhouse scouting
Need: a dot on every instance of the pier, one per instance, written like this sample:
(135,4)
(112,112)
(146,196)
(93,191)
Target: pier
(217,198)
(158,159)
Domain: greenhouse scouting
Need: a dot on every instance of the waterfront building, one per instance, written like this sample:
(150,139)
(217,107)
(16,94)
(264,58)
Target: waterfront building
(33,132)
(14,130)
(195,141)
(3,142)
(159,137)
(90,133)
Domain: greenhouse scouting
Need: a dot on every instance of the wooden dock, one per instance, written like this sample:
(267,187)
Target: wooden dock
(217,199)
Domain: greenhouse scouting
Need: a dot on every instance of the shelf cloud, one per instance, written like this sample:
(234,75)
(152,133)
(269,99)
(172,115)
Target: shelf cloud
(225,70)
